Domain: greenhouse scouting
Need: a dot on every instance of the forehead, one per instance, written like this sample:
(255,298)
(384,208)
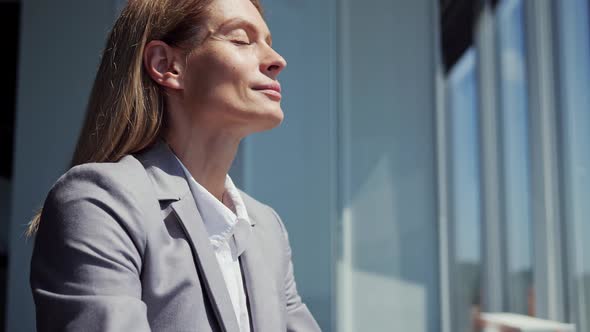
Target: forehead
(222,12)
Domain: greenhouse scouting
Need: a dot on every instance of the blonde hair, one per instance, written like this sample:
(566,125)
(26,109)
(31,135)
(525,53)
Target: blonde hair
(125,112)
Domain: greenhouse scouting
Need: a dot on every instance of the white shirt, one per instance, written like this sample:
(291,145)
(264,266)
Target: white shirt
(229,229)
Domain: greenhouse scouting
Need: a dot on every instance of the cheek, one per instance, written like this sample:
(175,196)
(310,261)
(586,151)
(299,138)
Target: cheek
(221,77)
(235,72)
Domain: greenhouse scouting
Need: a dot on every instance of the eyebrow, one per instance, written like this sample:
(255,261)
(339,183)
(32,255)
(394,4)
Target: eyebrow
(238,22)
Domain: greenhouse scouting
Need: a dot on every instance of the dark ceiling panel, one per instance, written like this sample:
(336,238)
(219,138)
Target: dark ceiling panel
(457,21)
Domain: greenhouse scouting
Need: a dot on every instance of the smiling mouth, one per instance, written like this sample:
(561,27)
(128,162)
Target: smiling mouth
(271,90)
(270,93)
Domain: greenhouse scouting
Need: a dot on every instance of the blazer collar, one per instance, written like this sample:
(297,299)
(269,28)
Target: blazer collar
(165,172)
(170,184)
(168,177)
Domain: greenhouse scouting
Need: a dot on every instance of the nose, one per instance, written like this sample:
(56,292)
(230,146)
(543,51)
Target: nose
(273,63)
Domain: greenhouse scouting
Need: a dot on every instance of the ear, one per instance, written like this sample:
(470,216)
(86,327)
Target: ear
(162,64)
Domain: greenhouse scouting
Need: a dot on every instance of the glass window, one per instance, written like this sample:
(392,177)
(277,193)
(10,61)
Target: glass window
(515,147)
(466,262)
(573,37)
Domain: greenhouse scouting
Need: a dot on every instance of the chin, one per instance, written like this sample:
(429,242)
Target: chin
(269,119)
(278,115)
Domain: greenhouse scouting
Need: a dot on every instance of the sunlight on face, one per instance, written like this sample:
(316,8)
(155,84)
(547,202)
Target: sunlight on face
(231,79)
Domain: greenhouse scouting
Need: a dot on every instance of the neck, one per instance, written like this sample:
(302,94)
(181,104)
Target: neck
(207,155)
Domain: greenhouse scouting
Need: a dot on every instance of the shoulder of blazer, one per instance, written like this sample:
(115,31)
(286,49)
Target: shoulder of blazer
(126,168)
(121,188)
(124,176)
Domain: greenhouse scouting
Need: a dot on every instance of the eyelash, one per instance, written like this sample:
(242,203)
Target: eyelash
(241,42)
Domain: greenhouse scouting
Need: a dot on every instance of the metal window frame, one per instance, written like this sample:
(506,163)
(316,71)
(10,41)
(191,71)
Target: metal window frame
(343,312)
(506,249)
(570,28)
(548,269)
(443,176)
(493,244)
(486,67)
(546,206)
(447,209)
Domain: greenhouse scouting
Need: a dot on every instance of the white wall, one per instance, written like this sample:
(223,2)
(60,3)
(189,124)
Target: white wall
(388,258)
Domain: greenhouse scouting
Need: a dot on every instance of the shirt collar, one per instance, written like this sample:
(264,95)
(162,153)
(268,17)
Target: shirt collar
(224,223)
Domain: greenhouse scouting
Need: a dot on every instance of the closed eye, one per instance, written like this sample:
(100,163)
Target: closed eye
(241,42)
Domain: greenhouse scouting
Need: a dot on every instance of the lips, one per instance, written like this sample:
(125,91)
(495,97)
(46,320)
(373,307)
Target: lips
(272,90)
(272,86)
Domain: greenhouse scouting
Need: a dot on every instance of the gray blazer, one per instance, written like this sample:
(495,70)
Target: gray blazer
(122,247)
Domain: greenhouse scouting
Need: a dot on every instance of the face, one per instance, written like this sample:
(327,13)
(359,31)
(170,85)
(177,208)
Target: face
(230,81)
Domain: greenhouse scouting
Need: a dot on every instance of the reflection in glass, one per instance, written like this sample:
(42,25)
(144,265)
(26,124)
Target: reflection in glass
(465,191)
(574,52)
(519,279)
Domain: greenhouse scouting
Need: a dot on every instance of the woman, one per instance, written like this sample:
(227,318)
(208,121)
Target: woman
(147,231)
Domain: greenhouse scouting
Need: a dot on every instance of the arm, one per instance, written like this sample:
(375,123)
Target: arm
(299,318)
(86,263)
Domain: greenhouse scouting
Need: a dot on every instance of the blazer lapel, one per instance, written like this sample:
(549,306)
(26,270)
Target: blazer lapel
(263,296)
(192,224)
(171,185)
